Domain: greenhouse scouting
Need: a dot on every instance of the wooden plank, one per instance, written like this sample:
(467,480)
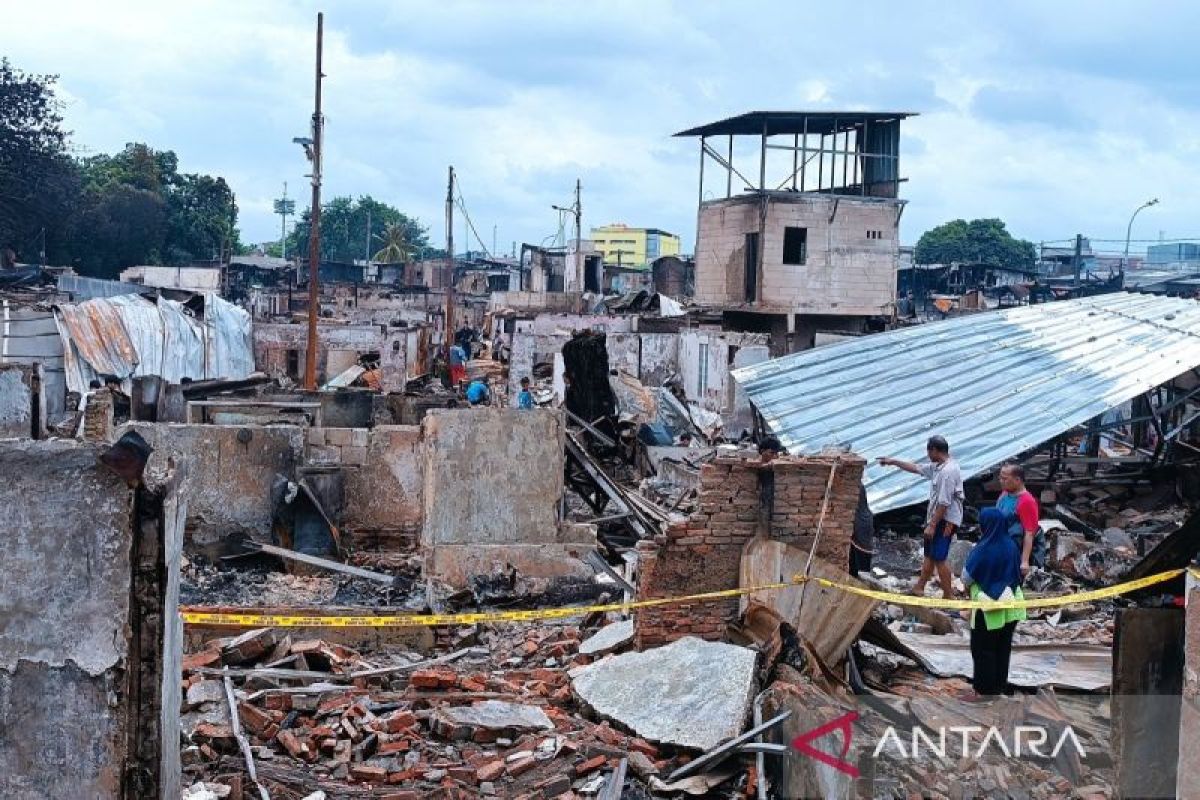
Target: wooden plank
(827,618)
(324,563)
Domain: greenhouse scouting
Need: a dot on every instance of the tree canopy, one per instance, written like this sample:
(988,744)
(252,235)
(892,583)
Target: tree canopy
(985,241)
(103,213)
(38,179)
(344,234)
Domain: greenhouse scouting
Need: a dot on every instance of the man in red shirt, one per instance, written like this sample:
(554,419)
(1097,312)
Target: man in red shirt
(1020,508)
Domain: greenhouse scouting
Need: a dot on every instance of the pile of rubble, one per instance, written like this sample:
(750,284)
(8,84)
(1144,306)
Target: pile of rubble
(500,719)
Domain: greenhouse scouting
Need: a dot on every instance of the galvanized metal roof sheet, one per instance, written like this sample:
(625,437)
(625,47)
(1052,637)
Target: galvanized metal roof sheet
(994,384)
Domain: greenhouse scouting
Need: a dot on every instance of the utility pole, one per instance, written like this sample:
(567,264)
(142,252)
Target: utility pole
(580,280)
(448,335)
(314,239)
(1078,260)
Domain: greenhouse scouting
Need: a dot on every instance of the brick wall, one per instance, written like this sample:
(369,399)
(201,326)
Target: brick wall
(740,499)
(850,266)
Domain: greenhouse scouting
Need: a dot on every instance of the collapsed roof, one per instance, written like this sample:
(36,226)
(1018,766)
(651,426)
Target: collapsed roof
(995,384)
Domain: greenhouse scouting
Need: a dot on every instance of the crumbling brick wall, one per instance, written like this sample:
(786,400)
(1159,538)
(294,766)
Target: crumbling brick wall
(740,499)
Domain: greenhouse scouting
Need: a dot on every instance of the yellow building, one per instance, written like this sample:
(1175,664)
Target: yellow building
(633,247)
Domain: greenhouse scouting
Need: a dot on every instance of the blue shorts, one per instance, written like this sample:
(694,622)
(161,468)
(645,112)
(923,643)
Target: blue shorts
(938,548)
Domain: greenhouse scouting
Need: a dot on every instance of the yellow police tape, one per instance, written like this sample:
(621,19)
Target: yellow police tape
(251,619)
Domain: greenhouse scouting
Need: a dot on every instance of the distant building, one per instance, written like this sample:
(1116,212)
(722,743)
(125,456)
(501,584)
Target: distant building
(1173,253)
(633,248)
(805,237)
(674,276)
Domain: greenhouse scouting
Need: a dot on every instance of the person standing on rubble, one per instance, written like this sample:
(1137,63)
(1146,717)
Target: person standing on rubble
(1020,510)
(458,365)
(944,514)
(993,572)
(525,397)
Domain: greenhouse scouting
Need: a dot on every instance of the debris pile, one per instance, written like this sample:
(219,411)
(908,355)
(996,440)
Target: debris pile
(499,719)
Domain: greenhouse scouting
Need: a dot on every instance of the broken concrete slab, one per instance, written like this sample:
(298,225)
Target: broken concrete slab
(960,549)
(491,716)
(205,692)
(608,638)
(690,693)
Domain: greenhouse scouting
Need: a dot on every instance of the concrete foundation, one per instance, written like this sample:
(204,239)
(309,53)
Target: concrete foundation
(1187,781)
(89,659)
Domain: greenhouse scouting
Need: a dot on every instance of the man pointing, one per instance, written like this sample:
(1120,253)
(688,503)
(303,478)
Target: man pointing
(945,512)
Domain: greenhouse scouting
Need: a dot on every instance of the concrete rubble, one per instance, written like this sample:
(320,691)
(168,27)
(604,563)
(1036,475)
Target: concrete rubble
(690,693)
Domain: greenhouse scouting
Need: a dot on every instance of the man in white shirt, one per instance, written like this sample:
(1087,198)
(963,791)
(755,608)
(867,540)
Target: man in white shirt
(944,514)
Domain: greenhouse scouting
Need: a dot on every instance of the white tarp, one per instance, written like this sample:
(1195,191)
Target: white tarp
(129,336)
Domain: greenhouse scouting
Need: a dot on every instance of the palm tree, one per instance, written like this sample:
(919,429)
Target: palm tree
(396,248)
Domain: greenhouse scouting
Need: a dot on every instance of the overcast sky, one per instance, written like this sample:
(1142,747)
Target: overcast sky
(1056,117)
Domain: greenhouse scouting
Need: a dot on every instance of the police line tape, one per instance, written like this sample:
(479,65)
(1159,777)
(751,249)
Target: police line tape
(250,619)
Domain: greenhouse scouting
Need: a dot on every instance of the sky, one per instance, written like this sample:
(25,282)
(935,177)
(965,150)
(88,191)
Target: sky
(1059,118)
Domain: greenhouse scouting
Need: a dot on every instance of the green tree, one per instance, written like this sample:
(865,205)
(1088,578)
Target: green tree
(38,180)
(201,219)
(396,248)
(119,227)
(985,241)
(344,233)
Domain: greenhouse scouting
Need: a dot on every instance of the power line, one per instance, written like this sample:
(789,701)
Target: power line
(462,204)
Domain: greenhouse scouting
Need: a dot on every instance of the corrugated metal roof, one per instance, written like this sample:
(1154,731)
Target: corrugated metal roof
(129,336)
(753,123)
(994,384)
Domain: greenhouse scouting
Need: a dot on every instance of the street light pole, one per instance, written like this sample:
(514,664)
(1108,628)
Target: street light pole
(1129,230)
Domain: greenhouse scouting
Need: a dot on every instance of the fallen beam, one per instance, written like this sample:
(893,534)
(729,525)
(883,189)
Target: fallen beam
(325,563)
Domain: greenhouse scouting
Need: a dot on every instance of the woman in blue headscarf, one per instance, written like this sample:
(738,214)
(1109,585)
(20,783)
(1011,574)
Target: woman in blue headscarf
(993,572)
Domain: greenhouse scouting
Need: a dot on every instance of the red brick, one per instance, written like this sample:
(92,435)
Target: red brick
(254,719)
(521,766)
(397,722)
(643,747)
(205,658)
(393,746)
(368,773)
(464,774)
(490,771)
(472,684)
(591,765)
(294,745)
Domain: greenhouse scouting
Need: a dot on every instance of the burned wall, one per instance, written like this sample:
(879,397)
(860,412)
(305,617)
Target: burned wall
(740,499)
(385,494)
(22,401)
(493,478)
(280,350)
(228,475)
(85,610)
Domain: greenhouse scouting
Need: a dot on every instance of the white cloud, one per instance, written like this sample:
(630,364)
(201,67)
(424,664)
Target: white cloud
(1056,117)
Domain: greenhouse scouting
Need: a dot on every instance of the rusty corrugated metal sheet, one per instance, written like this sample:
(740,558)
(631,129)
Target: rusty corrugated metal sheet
(130,336)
